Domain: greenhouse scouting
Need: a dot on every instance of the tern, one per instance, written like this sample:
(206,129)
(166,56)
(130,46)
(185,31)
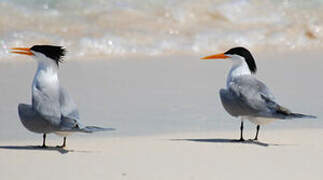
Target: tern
(52,109)
(246,97)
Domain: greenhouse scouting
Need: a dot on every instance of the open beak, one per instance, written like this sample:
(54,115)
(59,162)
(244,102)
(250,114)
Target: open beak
(25,51)
(216,56)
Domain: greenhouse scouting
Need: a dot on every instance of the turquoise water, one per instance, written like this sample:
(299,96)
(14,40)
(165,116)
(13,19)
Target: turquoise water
(155,27)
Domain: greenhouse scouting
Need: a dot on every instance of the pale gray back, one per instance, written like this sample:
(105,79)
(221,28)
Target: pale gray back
(247,96)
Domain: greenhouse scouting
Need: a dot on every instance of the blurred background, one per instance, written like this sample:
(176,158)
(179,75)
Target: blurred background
(156,27)
(123,80)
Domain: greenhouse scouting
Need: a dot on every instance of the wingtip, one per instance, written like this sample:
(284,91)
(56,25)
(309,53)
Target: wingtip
(311,117)
(109,129)
(91,129)
(296,115)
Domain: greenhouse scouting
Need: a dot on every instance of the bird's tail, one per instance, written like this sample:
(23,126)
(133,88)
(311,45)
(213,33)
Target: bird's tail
(87,129)
(91,129)
(298,115)
(287,114)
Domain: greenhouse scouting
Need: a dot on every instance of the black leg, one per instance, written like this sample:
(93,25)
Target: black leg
(258,127)
(44,141)
(241,131)
(64,143)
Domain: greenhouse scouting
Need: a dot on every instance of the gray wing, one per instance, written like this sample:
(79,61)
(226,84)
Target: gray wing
(45,102)
(68,107)
(33,121)
(69,111)
(248,96)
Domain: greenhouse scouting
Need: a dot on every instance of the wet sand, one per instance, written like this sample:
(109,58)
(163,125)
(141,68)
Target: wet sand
(169,119)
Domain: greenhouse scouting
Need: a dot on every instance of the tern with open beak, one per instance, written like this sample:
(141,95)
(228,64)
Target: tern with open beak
(246,97)
(52,109)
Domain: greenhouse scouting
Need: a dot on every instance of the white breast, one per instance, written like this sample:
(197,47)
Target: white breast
(46,77)
(239,68)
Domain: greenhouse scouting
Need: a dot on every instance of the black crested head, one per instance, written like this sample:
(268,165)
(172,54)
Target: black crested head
(54,52)
(243,52)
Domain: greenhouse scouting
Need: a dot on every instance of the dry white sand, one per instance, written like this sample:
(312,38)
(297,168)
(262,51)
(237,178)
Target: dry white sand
(286,154)
(169,119)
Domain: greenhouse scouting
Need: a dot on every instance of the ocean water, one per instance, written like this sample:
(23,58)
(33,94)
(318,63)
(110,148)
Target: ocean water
(156,27)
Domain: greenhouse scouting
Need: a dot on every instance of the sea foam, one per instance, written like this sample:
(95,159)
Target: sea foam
(156,27)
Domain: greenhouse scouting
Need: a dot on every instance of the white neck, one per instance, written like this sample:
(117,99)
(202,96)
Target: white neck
(46,76)
(239,68)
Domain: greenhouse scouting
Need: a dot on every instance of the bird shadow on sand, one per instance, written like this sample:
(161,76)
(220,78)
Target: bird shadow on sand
(228,141)
(39,148)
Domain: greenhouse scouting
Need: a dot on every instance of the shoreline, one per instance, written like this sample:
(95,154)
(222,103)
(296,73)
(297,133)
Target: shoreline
(265,53)
(169,119)
(163,95)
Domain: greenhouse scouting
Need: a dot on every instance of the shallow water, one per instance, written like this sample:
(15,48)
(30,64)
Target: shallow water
(154,27)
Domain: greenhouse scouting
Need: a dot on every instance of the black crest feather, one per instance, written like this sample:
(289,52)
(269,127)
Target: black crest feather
(243,52)
(54,52)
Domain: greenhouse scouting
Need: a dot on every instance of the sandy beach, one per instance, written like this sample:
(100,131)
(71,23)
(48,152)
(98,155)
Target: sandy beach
(134,65)
(169,119)
(287,154)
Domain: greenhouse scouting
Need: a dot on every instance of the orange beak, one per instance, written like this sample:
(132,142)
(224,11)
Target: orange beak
(216,56)
(25,51)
